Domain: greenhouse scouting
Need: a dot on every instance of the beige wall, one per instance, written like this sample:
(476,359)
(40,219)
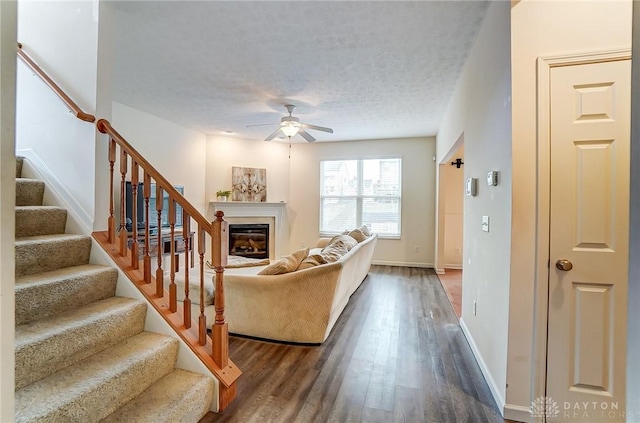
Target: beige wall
(418,193)
(293,176)
(633,322)
(481,110)
(223,153)
(8,25)
(542,28)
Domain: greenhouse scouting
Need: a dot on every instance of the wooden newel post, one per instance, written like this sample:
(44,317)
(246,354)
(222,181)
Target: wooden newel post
(219,251)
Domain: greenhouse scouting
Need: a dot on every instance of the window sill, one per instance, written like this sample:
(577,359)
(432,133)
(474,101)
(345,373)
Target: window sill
(380,236)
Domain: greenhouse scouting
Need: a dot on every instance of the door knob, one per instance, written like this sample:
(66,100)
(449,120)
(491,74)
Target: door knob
(564,265)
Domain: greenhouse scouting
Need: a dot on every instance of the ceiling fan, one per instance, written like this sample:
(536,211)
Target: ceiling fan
(290,126)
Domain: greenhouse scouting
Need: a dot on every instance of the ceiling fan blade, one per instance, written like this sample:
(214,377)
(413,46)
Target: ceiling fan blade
(317,128)
(275,134)
(304,134)
(262,124)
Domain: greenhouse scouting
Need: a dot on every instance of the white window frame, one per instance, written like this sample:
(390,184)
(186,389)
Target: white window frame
(359,196)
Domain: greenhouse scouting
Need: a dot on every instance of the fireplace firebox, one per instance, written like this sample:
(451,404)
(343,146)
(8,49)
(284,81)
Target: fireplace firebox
(249,240)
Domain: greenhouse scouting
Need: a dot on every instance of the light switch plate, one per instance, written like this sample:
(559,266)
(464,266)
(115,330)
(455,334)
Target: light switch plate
(485,223)
(492,178)
(471,187)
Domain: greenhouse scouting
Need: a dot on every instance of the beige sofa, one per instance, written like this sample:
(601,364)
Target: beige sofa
(301,306)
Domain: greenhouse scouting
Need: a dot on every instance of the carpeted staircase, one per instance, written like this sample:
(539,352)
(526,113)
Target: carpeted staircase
(81,352)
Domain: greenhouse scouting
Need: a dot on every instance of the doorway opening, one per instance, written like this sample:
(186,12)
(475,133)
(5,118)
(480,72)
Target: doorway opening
(450,224)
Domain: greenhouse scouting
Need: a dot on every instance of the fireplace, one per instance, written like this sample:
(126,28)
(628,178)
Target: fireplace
(273,214)
(249,240)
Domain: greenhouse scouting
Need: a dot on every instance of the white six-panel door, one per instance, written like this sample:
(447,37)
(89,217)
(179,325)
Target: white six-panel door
(590,136)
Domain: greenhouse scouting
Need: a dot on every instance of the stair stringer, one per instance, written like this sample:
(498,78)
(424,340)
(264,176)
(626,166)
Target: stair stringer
(154,322)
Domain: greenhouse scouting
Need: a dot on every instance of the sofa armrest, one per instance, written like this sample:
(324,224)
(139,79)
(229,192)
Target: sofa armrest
(293,307)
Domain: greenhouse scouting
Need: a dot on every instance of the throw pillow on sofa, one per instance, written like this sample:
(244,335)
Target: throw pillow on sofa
(312,260)
(286,264)
(337,247)
(358,235)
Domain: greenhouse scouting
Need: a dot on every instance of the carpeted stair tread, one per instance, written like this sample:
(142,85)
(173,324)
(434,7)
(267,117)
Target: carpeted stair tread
(29,192)
(95,387)
(40,220)
(80,352)
(42,253)
(19,160)
(48,345)
(180,396)
(46,294)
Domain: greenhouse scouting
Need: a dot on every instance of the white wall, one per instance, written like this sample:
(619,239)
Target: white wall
(49,32)
(480,108)
(542,29)
(8,30)
(178,153)
(418,194)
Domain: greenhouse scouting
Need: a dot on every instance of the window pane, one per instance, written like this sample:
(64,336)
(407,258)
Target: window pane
(381,177)
(356,192)
(339,177)
(382,215)
(337,214)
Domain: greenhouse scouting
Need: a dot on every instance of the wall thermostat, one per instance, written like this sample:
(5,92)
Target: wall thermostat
(471,187)
(492,178)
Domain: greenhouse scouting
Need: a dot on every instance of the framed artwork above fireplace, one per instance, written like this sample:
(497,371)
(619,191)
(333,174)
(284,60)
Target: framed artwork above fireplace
(248,184)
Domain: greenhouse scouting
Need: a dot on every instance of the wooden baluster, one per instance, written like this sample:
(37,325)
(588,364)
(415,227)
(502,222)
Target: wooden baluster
(186,304)
(111,221)
(173,289)
(159,271)
(202,319)
(135,258)
(146,189)
(123,235)
(220,329)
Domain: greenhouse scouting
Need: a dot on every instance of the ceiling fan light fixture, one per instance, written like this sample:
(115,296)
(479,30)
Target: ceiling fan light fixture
(291,126)
(289,129)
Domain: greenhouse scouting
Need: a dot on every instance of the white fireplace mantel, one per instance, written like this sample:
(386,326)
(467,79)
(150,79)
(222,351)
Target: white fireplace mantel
(278,211)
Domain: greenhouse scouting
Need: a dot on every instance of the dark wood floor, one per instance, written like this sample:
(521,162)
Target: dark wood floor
(396,354)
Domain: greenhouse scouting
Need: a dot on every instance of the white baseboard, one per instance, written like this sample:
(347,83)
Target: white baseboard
(453,266)
(497,396)
(439,271)
(518,413)
(403,264)
(58,190)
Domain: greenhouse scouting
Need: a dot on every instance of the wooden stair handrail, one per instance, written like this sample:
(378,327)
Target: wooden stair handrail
(123,248)
(213,351)
(105,127)
(73,107)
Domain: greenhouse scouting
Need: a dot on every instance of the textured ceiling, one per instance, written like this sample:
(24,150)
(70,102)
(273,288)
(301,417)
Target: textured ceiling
(368,70)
